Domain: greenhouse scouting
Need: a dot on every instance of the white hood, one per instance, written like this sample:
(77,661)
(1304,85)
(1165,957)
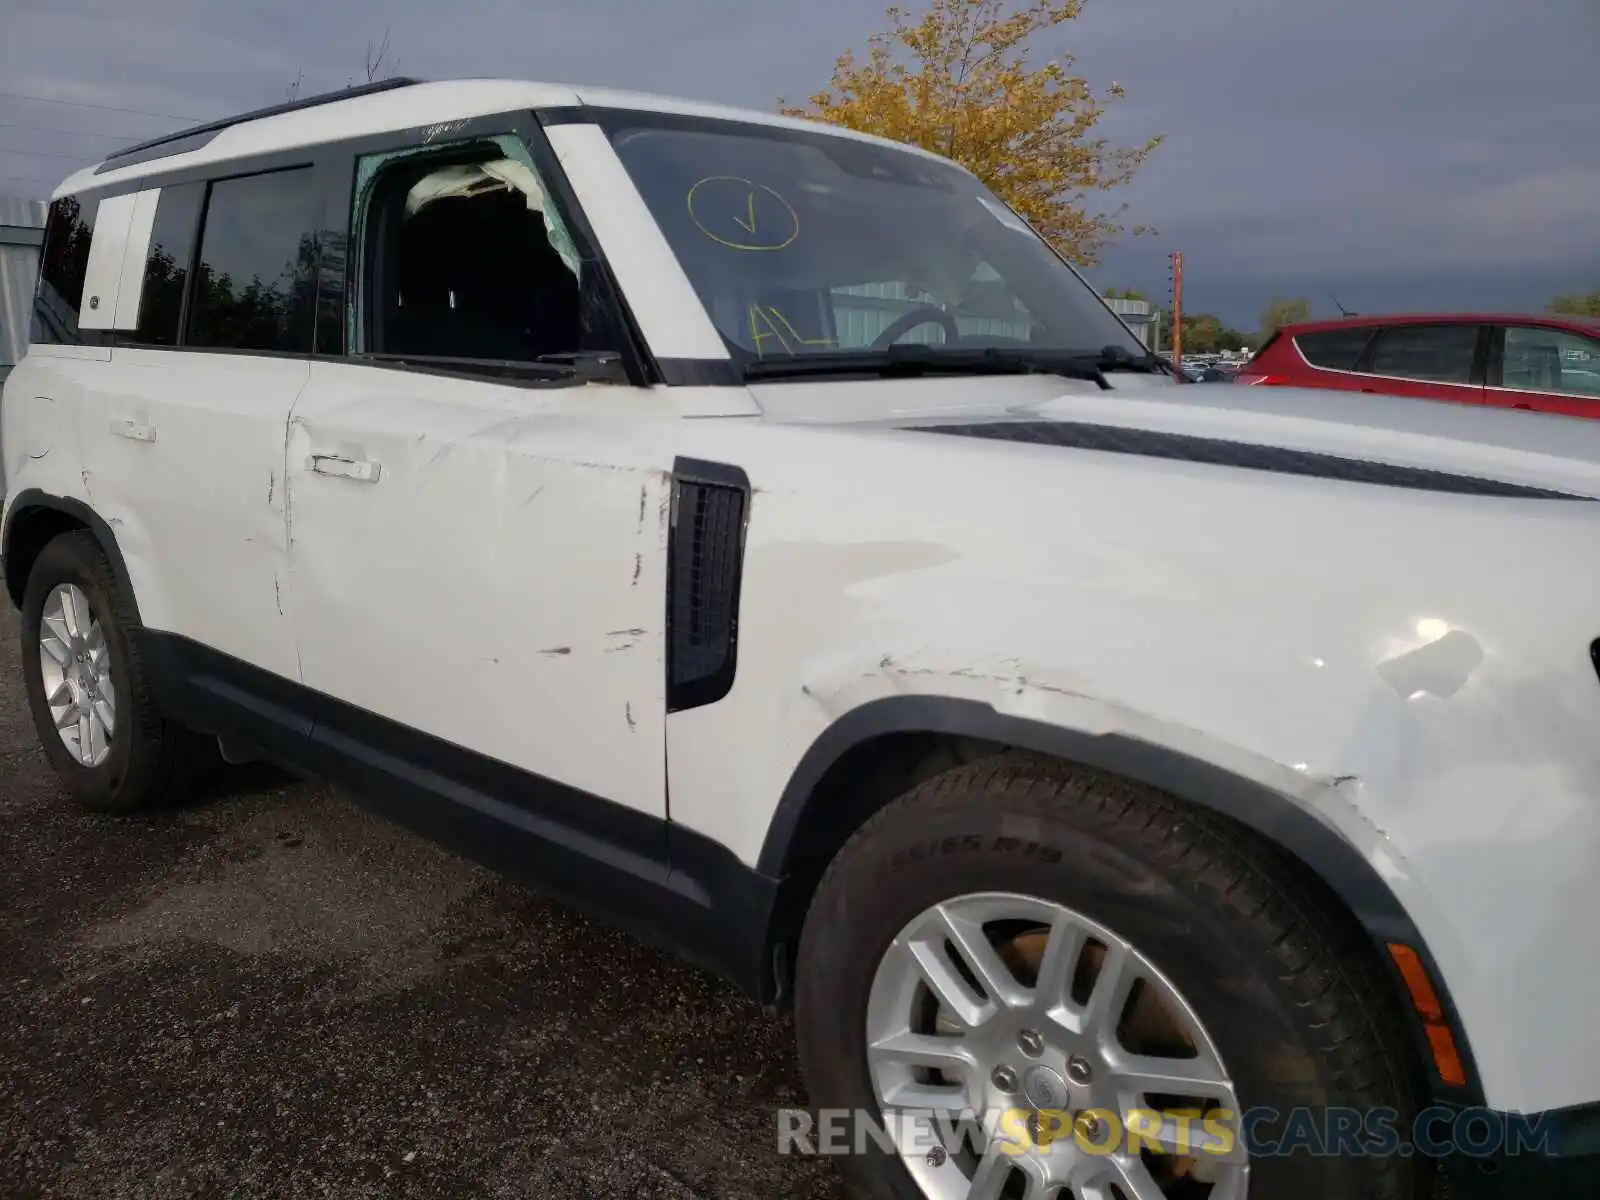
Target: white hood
(1534,449)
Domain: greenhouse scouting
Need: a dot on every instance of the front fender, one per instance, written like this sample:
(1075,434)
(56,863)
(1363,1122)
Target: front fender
(1393,684)
(1312,818)
(1304,816)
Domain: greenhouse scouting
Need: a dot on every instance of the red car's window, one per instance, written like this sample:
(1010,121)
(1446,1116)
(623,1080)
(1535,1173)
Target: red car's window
(1434,353)
(1334,349)
(1551,360)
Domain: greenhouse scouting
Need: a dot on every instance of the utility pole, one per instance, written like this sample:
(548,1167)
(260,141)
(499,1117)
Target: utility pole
(1176,271)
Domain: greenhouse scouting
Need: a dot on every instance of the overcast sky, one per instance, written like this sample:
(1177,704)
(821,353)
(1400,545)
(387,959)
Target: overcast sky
(1398,154)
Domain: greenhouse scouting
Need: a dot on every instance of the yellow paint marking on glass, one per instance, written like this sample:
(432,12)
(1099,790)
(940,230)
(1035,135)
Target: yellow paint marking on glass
(750,225)
(803,341)
(730,194)
(764,324)
(757,319)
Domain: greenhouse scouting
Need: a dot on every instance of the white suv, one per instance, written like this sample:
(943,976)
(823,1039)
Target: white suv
(753,531)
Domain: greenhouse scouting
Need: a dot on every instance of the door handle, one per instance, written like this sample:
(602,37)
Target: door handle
(340,467)
(136,431)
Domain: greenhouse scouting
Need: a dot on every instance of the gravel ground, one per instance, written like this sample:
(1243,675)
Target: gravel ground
(275,994)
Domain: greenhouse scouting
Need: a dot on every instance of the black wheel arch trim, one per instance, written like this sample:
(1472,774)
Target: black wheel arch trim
(1564,1167)
(33,500)
(1267,812)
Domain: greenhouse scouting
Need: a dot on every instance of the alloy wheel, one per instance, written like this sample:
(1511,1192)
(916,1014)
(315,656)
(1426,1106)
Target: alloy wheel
(1055,1042)
(75,665)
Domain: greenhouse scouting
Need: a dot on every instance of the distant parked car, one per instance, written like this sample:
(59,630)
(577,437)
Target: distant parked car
(1178,371)
(1542,362)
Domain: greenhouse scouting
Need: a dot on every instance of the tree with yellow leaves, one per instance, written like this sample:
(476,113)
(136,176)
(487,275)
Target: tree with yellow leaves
(1583,304)
(957,81)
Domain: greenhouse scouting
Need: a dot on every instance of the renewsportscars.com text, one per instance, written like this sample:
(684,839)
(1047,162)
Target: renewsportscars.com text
(1261,1132)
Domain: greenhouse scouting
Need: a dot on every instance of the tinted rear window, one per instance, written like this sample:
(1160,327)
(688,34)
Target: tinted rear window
(1434,353)
(255,286)
(1334,349)
(65,262)
(167,267)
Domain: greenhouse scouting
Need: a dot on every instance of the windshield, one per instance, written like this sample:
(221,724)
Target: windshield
(804,243)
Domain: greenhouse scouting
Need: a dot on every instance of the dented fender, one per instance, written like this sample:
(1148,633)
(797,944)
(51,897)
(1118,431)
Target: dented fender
(1335,654)
(1322,814)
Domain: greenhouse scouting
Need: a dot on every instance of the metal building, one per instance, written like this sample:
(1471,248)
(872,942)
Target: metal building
(21,234)
(1139,316)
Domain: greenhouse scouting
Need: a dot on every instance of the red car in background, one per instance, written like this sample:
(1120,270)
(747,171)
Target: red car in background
(1546,363)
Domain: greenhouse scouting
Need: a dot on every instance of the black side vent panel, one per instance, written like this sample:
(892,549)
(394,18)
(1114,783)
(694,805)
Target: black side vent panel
(705,560)
(1183,447)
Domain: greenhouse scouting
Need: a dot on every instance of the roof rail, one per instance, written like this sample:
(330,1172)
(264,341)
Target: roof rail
(199,135)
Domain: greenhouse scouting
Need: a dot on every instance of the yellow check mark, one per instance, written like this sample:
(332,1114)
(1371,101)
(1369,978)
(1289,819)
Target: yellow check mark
(749,227)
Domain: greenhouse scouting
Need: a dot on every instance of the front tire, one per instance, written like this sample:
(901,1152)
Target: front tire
(87,688)
(966,949)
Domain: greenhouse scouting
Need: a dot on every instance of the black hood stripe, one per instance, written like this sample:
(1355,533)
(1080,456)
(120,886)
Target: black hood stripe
(1218,452)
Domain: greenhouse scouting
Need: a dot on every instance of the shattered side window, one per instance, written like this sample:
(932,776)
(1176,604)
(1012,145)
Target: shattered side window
(464,257)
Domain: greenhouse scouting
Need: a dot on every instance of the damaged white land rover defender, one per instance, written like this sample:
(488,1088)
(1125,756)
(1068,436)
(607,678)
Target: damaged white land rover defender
(755,532)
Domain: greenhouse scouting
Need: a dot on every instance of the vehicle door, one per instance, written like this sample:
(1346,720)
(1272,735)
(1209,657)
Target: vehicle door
(478,537)
(185,460)
(1545,368)
(1443,361)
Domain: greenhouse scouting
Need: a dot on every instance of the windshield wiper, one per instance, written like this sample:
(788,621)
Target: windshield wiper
(1115,358)
(912,360)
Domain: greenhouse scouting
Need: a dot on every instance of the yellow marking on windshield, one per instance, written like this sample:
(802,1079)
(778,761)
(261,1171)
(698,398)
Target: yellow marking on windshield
(757,336)
(796,335)
(749,226)
(771,318)
(717,202)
